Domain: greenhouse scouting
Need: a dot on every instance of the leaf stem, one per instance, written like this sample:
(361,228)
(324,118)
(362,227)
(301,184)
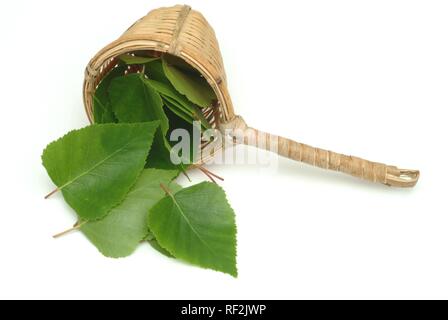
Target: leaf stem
(76,227)
(208,173)
(51,193)
(186,175)
(165,188)
(213,174)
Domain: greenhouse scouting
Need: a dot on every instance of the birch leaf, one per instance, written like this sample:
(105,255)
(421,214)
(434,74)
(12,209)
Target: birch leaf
(197,225)
(120,232)
(154,71)
(178,111)
(194,87)
(192,111)
(177,122)
(179,104)
(102,110)
(168,90)
(156,246)
(133,100)
(130,60)
(95,167)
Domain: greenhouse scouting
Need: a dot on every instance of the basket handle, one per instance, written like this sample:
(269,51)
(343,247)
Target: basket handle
(357,167)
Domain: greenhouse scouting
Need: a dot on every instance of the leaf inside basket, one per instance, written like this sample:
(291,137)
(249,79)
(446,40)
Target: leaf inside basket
(195,88)
(132,59)
(102,109)
(133,100)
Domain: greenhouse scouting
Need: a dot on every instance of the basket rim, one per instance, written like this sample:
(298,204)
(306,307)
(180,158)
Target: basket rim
(136,43)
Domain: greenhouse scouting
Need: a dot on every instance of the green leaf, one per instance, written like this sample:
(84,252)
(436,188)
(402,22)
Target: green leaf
(153,243)
(130,60)
(197,225)
(119,233)
(181,64)
(133,100)
(95,167)
(169,91)
(194,87)
(154,71)
(178,103)
(195,140)
(102,110)
(193,112)
(177,100)
(150,238)
(179,112)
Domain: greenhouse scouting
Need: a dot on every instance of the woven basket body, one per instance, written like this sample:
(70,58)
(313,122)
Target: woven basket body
(177,30)
(186,34)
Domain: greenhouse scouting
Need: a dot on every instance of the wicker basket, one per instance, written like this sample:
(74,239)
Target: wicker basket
(185,33)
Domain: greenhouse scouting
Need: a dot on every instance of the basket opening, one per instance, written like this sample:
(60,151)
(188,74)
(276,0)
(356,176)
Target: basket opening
(212,113)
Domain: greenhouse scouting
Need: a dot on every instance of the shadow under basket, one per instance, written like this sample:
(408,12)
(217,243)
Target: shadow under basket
(184,33)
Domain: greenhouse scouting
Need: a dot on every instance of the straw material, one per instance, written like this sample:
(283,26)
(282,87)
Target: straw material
(357,167)
(177,30)
(185,33)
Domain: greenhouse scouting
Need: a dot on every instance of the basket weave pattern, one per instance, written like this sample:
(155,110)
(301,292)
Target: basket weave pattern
(176,30)
(185,33)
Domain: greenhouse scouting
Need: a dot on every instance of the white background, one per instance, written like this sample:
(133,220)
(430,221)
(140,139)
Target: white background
(367,78)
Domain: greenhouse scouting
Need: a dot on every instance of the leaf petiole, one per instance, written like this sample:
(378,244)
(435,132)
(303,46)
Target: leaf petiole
(51,193)
(76,227)
(167,191)
(203,169)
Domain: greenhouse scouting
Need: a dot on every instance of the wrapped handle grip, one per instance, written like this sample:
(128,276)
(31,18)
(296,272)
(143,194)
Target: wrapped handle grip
(357,167)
